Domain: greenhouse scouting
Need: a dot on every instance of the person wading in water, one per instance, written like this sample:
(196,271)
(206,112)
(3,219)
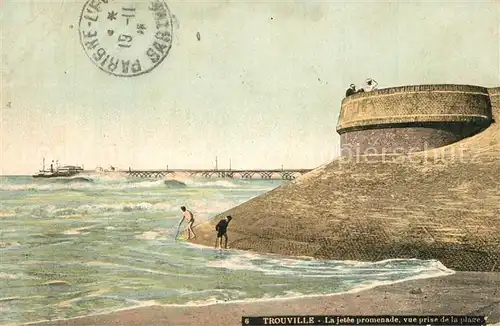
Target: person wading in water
(188,216)
(221,229)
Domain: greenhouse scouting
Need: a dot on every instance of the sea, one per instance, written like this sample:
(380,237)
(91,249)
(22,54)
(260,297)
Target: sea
(98,243)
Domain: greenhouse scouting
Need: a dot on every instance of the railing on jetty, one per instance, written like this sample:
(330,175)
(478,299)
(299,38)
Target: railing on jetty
(287,174)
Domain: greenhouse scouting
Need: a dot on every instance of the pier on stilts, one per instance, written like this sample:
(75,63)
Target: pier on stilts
(288,174)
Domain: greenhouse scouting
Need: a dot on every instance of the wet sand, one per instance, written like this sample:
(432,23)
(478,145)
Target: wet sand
(463,293)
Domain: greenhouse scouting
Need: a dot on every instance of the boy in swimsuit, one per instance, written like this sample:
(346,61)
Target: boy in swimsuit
(221,229)
(188,216)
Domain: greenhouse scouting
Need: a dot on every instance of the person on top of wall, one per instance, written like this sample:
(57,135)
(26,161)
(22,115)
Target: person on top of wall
(370,85)
(351,90)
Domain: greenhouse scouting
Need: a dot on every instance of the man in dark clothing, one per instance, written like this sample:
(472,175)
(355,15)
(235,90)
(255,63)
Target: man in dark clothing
(221,229)
(351,90)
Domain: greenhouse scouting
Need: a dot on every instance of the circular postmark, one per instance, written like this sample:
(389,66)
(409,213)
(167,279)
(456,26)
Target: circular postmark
(126,37)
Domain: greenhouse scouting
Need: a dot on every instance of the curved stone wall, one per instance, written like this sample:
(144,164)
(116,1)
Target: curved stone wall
(348,210)
(413,118)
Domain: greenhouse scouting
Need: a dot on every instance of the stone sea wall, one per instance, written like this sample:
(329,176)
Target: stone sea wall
(434,204)
(411,118)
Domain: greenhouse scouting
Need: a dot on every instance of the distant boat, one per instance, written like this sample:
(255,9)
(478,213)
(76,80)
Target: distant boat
(54,172)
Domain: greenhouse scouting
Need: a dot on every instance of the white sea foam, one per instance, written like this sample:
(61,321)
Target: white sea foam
(202,209)
(211,184)
(291,295)
(148,235)
(71,232)
(105,208)
(76,231)
(235,263)
(79,184)
(270,265)
(114,182)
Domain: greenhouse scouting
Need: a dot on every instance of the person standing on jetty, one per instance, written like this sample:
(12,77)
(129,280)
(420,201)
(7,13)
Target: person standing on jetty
(370,85)
(351,90)
(221,229)
(188,216)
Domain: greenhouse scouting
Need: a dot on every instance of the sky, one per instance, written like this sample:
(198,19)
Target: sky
(262,87)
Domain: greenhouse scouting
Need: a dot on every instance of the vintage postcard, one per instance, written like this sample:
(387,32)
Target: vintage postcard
(249,162)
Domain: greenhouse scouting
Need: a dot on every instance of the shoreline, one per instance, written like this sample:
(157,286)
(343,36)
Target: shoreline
(460,293)
(446,272)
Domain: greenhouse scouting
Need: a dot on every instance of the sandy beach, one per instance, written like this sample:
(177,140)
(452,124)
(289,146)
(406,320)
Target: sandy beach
(463,293)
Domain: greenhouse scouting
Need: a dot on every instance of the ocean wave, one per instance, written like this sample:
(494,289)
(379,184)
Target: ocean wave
(203,209)
(415,270)
(153,235)
(313,268)
(76,231)
(174,183)
(92,182)
(294,294)
(51,186)
(197,183)
(236,263)
(109,208)
(42,186)
(89,184)
(70,180)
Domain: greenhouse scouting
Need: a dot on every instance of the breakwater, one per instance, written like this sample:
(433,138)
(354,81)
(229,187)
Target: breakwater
(440,202)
